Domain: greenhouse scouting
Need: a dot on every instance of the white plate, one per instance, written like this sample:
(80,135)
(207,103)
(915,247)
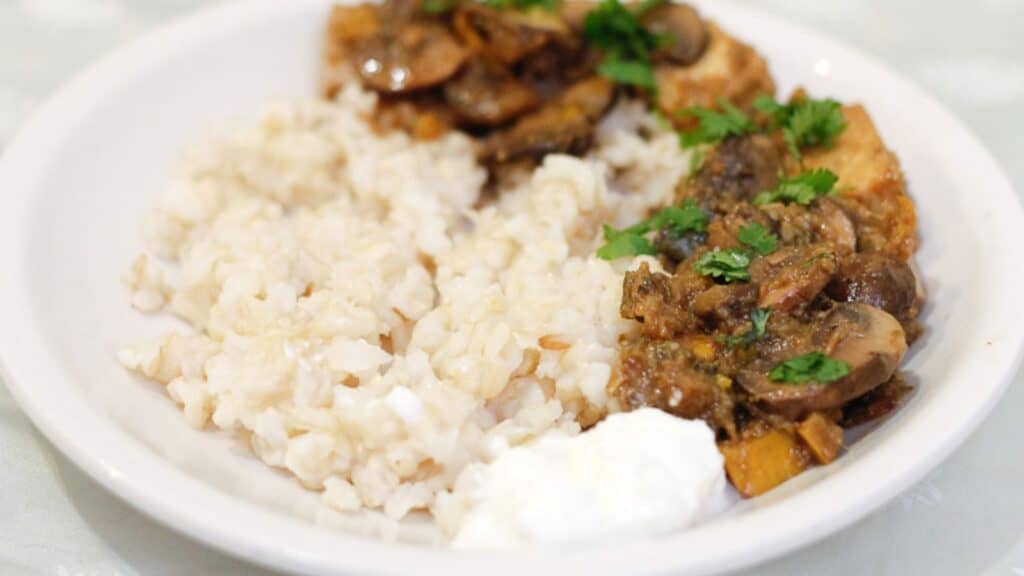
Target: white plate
(80,175)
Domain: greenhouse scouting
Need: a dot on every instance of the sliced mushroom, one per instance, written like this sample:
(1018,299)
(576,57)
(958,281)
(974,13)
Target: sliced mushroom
(724,302)
(347,27)
(687,36)
(565,125)
(868,339)
(507,36)
(792,277)
(484,94)
(419,55)
(833,226)
(876,279)
(736,170)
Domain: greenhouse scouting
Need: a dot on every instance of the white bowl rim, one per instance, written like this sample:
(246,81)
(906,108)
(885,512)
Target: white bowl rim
(141,478)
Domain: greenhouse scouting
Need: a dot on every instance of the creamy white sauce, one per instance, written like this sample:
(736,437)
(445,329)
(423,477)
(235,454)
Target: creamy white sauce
(635,474)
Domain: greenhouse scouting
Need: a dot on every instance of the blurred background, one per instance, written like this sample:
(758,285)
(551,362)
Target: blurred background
(966,518)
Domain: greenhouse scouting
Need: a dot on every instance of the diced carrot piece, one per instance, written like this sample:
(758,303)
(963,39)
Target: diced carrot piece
(822,437)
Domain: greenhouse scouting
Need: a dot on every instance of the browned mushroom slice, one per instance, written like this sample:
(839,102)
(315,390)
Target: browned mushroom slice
(792,277)
(736,170)
(881,281)
(868,339)
(724,302)
(876,279)
(412,56)
(565,125)
(833,226)
(348,26)
(484,94)
(507,36)
(681,25)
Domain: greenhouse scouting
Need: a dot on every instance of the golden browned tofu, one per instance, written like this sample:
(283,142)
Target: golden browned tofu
(871,185)
(756,465)
(728,69)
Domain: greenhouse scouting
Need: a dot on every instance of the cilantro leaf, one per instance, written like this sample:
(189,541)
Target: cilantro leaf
(758,326)
(802,189)
(680,219)
(767,105)
(816,122)
(631,241)
(629,72)
(627,45)
(623,245)
(759,238)
(725,265)
(714,125)
(815,367)
(805,122)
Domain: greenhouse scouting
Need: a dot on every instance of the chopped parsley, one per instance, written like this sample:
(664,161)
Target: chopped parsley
(627,45)
(758,326)
(726,265)
(629,72)
(631,241)
(621,245)
(714,125)
(805,122)
(759,238)
(813,367)
(802,189)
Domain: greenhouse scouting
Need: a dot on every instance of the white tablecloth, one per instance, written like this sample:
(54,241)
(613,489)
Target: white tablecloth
(967,517)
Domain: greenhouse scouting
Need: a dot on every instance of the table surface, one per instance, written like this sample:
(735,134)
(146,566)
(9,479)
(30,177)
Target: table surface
(964,518)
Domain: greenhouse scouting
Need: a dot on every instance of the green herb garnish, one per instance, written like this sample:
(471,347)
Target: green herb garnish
(759,238)
(802,189)
(805,122)
(620,245)
(725,265)
(815,367)
(629,72)
(714,125)
(758,326)
(632,242)
(626,43)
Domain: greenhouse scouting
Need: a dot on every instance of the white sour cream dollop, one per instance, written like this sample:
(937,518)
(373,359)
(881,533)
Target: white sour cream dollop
(635,474)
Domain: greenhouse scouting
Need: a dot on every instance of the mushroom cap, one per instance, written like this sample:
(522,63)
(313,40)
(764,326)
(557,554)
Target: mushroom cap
(870,340)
